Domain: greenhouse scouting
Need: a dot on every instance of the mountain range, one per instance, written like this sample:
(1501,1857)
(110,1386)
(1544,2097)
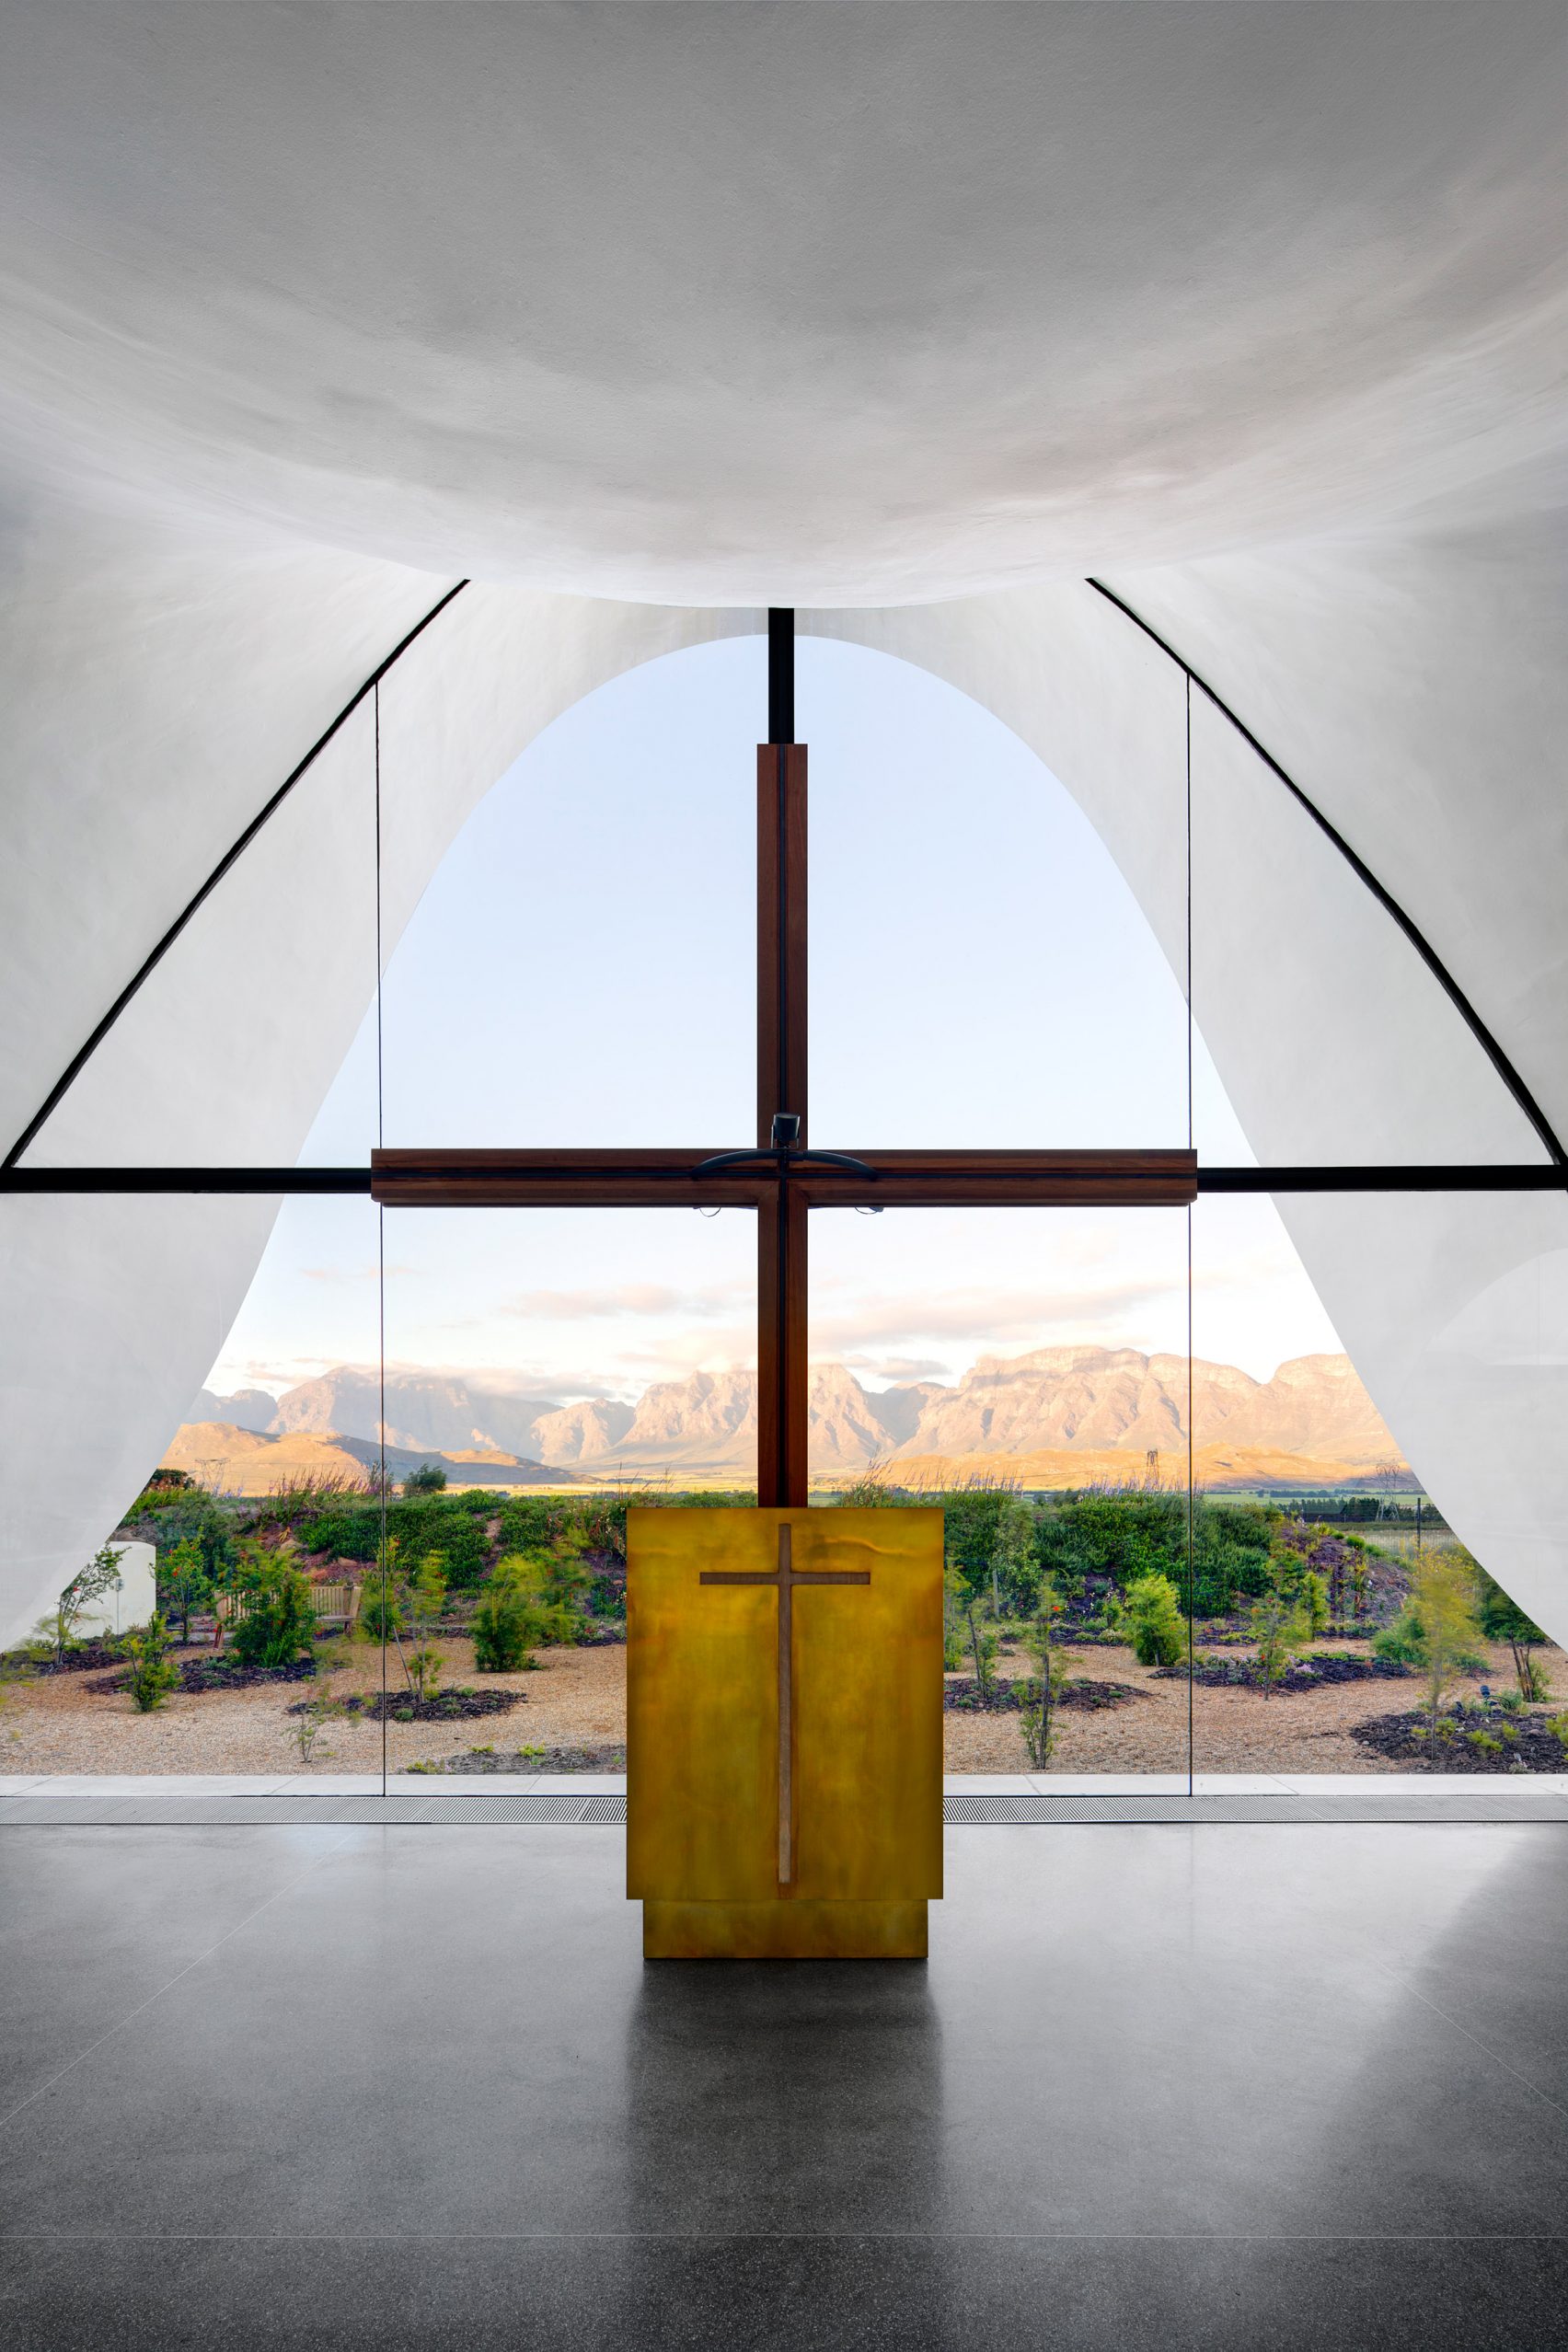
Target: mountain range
(1069,1413)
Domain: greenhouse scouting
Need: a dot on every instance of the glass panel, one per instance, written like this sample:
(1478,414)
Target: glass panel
(1411,1437)
(1027,1369)
(981,971)
(211,1505)
(1334,1042)
(543,1367)
(225,1054)
(579,968)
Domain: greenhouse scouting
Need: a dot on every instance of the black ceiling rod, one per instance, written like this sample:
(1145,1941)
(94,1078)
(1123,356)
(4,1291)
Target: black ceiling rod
(780,674)
(1483,1037)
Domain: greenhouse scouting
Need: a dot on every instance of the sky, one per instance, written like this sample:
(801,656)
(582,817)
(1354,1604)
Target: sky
(580,971)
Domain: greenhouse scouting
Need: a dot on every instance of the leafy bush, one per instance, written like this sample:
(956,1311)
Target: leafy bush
(505,1623)
(1502,1620)
(1158,1629)
(1280,1626)
(429,1478)
(278,1622)
(152,1672)
(185,1583)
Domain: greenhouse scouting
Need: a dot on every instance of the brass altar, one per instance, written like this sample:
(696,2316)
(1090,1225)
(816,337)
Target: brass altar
(784,1731)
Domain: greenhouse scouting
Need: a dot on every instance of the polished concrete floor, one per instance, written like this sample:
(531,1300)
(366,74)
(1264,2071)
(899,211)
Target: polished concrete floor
(1220,2087)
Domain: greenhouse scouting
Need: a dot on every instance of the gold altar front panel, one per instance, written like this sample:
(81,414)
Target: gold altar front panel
(703,1728)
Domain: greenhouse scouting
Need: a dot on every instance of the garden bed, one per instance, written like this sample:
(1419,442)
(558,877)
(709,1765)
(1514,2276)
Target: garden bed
(219,1672)
(961,1695)
(1520,1742)
(89,1658)
(1301,1673)
(528,1759)
(454,1706)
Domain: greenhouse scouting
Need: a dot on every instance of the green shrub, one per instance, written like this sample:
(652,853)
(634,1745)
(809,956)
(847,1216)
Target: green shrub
(1158,1627)
(1280,1626)
(152,1672)
(278,1620)
(429,1478)
(506,1621)
(1502,1620)
(185,1583)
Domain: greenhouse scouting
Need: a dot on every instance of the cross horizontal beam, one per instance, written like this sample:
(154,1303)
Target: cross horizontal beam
(681,1179)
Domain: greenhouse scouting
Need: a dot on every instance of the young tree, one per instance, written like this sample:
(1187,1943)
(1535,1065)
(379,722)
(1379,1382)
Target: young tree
(982,1647)
(100,1575)
(1038,1714)
(185,1583)
(152,1672)
(1159,1628)
(1442,1593)
(427,1598)
(1280,1629)
(1314,1603)
(429,1478)
(1502,1620)
(506,1622)
(277,1622)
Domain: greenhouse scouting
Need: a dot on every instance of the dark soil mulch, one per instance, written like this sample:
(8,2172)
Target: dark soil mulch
(218,1672)
(1404,1739)
(537,1759)
(961,1697)
(452,1706)
(89,1658)
(1301,1673)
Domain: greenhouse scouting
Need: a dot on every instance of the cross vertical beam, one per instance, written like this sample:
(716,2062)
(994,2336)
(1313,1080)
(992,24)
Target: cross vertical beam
(782,1080)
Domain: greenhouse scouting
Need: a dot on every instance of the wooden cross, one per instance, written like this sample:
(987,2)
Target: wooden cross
(781,1178)
(784,1579)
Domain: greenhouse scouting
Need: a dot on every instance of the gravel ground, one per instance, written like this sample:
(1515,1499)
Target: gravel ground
(577,1698)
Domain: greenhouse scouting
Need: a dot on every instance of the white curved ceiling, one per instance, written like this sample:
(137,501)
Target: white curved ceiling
(728,304)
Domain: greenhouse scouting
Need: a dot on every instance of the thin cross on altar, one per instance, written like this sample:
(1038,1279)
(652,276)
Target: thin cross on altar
(784,1578)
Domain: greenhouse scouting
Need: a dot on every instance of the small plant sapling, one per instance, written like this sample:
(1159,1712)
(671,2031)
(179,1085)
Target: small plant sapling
(1038,1714)
(1314,1604)
(1502,1620)
(100,1575)
(427,1598)
(152,1672)
(981,1648)
(505,1623)
(1280,1628)
(952,1620)
(185,1583)
(1442,1593)
(1157,1628)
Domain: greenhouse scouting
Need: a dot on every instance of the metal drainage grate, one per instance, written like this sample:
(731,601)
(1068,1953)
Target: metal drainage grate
(606,1809)
(1282,1811)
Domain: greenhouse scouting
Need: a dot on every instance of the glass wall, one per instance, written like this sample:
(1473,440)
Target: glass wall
(400,1468)
(1026,1371)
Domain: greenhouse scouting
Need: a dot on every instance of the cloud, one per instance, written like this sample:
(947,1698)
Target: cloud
(898,1367)
(981,1316)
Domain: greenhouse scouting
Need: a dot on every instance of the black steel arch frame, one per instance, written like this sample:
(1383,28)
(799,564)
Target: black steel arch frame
(231,855)
(1466,1176)
(1363,873)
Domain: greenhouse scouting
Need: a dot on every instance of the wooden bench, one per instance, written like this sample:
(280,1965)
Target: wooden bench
(333,1604)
